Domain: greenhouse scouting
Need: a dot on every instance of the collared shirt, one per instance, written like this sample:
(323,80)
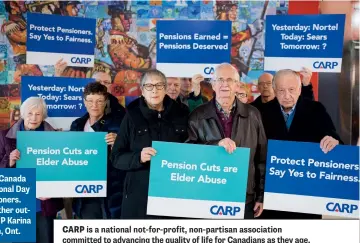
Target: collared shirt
(222,111)
(288,116)
(226,119)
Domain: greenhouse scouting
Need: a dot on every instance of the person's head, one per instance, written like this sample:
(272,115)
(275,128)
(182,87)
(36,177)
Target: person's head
(95,97)
(153,86)
(173,87)
(233,12)
(186,86)
(266,87)
(287,87)
(241,93)
(224,83)
(33,111)
(104,78)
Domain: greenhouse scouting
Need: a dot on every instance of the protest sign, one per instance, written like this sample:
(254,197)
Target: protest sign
(301,178)
(68,164)
(52,37)
(17,205)
(311,41)
(185,48)
(63,97)
(198,183)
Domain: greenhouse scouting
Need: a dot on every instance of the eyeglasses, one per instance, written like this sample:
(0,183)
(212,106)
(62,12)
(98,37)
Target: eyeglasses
(229,81)
(150,87)
(241,95)
(96,102)
(265,84)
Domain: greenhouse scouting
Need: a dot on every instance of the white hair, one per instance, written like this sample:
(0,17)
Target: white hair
(222,65)
(285,72)
(33,102)
(153,73)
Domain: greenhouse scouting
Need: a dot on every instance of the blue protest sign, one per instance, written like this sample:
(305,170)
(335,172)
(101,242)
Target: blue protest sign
(302,178)
(185,48)
(68,164)
(18,207)
(198,183)
(312,41)
(63,96)
(51,37)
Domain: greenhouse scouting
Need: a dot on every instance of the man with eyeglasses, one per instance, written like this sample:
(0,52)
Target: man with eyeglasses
(267,92)
(227,122)
(291,117)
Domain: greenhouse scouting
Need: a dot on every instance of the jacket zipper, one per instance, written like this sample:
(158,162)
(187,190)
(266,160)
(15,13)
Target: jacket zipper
(159,125)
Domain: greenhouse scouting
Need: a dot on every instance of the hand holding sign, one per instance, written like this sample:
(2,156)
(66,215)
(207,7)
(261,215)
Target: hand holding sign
(228,144)
(306,76)
(14,156)
(146,154)
(328,143)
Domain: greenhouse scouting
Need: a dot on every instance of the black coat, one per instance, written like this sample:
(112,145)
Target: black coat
(114,108)
(247,131)
(311,123)
(115,178)
(139,128)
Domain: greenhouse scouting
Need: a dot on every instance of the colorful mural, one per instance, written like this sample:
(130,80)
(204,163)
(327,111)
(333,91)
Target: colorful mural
(125,42)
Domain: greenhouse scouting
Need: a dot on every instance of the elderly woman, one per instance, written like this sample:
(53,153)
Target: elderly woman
(33,112)
(153,116)
(100,119)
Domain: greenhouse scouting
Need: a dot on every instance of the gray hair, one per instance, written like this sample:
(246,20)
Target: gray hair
(284,72)
(222,65)
(153,73)
(33,102)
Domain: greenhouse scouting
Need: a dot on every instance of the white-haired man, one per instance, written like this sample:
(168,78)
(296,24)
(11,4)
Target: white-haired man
(227,122)
(294,118)
(265,84)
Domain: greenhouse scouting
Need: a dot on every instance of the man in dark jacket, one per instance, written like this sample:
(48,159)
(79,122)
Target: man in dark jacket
(97,120)
(267,92)
(227,122)
(291,117)
(152,117)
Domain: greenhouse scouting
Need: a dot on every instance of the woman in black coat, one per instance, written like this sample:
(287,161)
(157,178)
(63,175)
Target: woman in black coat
(152,117)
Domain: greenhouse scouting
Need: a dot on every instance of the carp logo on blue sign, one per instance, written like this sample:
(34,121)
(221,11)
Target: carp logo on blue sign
(209,70)
(80,60)
(224,210)
(341,207)
(88,188)
(325,65)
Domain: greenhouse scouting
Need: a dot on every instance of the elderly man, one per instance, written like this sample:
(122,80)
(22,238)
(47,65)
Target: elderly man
(227,122)
(294,118)
(267,92)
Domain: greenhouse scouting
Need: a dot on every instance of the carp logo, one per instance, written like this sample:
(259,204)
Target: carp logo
(325,65)
(80,60)
(88,188)
(341,208)
(224,210)
(209,70)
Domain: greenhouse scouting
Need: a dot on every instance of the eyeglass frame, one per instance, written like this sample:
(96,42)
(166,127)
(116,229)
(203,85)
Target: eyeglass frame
(162,86)
(96,102)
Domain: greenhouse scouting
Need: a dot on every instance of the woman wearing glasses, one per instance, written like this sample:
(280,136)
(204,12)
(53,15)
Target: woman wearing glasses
(99,119)
(152,117)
